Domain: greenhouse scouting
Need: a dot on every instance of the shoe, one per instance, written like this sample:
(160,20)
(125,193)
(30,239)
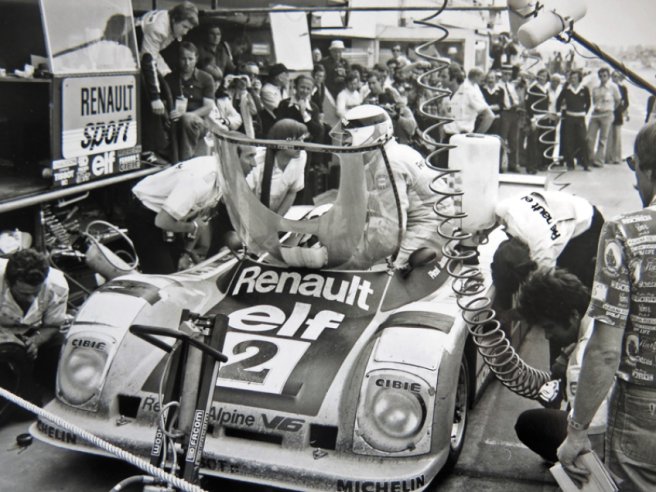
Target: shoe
(587,169)
(594,164)
(531,171)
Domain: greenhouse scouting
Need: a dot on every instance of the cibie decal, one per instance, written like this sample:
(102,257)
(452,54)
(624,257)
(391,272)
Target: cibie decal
(613,256)
(253,279)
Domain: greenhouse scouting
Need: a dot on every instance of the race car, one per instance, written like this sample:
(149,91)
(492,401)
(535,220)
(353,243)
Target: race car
(343,373)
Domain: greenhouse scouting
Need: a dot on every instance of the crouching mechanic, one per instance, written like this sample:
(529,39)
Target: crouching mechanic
(33,300)
(557,301)
(368,124)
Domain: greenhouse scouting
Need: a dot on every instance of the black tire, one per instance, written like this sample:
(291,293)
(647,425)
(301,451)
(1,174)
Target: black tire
(13,373)
(460,414)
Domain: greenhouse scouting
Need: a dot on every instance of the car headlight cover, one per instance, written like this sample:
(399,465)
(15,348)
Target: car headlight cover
(83,367)
(392,412)
(397,413)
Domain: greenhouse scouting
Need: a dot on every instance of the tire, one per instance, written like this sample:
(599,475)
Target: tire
(13,372)
(460,414)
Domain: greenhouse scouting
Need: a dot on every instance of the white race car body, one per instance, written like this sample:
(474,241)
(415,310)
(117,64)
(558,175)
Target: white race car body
(336,380)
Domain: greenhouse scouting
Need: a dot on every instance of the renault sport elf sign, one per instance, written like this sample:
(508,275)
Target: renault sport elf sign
(99,115)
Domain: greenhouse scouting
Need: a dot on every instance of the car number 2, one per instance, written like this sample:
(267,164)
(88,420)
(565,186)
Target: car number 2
(258,363)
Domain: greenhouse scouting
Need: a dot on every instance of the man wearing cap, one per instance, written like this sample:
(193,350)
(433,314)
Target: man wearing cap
(273,91)
(510,117)
(336,68)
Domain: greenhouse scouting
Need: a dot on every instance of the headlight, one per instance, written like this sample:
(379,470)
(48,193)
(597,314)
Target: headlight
(397,413)
(391,413)
(82,368)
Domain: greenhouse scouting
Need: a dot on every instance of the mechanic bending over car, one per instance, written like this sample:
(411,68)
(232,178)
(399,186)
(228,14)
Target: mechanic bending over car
(33,299)
(369,124)
(170,208)
(551,229)
(557,301)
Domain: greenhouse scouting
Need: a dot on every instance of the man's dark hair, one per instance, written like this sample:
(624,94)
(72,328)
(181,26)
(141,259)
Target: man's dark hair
(645,148)
(318,67)
(552,295)
(602,70)
(392,61)
(350,76)
(577,72)
(187,46)
(28,266)
(510,266)
(184,12)
(456,73)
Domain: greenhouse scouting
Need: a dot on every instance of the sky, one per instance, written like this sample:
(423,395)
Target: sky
(618,22)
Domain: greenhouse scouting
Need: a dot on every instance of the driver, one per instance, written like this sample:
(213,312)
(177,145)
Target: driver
(368,124)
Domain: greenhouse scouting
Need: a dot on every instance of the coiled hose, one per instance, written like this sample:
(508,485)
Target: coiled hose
(469,284)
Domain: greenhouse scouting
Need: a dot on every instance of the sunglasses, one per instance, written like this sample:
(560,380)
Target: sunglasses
(632,161)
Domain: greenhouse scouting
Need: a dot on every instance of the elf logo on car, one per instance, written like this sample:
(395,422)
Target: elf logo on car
(283,424)
(310,285)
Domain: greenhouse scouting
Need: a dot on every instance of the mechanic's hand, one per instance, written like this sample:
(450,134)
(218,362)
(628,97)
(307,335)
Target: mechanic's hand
(202,225)
(577,443)
(158,107)
(32,346)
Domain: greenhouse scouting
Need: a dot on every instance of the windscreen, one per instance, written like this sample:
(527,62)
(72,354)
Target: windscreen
(91,36)
(352,227)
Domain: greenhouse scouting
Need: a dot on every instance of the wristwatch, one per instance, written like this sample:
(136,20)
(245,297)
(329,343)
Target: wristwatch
(575,425)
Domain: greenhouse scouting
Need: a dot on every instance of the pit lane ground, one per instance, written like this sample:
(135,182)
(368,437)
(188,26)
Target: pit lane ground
(493,459)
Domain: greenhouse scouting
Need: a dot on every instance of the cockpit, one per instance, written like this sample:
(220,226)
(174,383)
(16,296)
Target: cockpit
(354,227)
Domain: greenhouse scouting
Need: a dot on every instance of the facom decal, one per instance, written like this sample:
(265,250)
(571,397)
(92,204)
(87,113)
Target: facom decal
(394,486)
(285,424)
(56,433)
(197,430)
(253,279)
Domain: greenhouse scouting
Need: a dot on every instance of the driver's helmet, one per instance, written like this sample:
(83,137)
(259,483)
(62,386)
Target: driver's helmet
(363,125)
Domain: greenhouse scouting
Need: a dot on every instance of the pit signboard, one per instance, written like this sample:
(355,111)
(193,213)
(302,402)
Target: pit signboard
(99,129)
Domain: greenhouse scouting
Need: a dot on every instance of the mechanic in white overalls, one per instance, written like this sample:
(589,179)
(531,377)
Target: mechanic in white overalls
(368,124)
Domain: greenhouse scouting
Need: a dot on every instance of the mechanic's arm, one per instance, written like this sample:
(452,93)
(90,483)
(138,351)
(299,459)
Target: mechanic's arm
(33,343)
(166,221)
(601,359)
(286,203)
(206,108)
(487,118)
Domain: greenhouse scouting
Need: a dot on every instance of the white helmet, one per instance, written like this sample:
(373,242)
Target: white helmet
(366,124)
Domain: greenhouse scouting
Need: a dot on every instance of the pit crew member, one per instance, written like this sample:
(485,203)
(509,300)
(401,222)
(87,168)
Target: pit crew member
(557,301)
(623,336)
(546,229)
(33,300)
(169,205)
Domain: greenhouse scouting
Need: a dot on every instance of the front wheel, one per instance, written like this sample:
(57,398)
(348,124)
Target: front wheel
(460,413)
(13,371)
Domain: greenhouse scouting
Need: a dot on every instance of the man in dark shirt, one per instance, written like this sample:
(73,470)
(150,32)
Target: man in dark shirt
(213,54)
(574,103)
(193,92)
(336,68)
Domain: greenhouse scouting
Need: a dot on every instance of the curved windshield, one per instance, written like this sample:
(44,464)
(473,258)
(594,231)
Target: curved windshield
(90,36)
(353,227)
